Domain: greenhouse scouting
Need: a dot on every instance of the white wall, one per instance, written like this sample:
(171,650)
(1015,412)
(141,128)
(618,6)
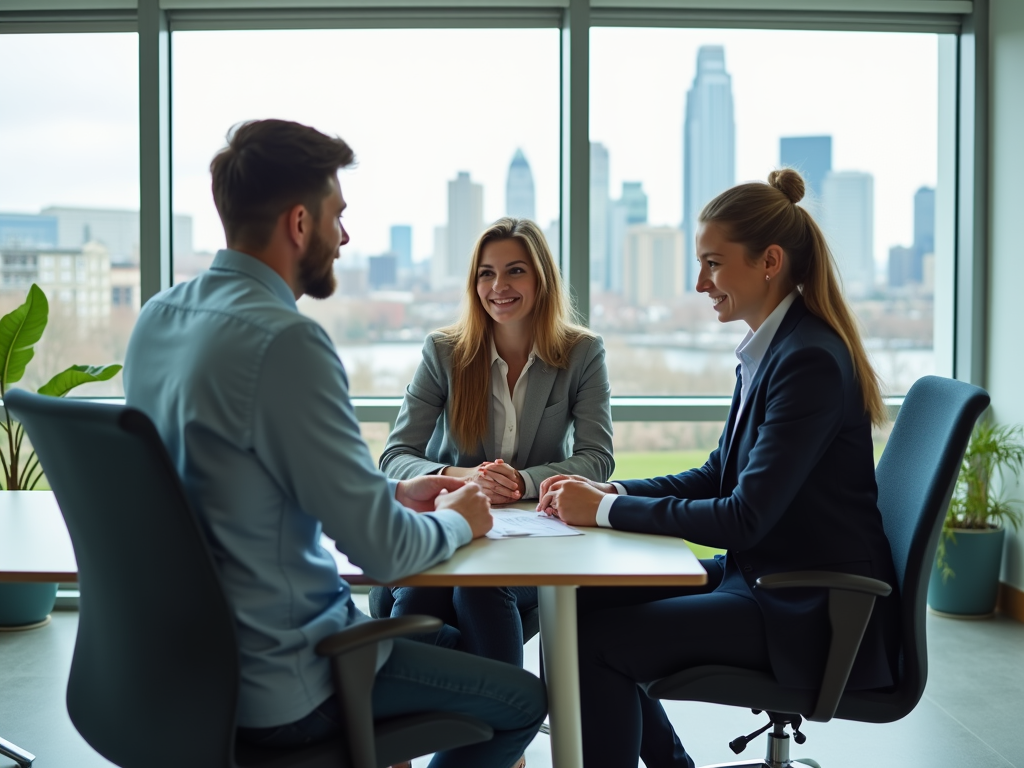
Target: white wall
(1006,270)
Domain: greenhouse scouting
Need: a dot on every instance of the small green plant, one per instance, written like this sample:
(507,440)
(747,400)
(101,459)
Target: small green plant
(20,330)
(976,504)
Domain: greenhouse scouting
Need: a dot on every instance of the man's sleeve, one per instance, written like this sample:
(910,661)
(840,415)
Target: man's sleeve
(306,434)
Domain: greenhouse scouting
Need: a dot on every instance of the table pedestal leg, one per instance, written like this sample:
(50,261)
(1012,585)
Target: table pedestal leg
(561,667)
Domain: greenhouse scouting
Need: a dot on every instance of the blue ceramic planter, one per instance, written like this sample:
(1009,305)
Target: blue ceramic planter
(975,557)
(22,605)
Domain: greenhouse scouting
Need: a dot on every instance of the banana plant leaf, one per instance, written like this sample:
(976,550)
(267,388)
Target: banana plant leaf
(67,380)
(20,329)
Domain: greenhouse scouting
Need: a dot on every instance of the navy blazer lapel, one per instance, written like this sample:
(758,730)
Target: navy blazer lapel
(794,314)
(538,389)
(727,442)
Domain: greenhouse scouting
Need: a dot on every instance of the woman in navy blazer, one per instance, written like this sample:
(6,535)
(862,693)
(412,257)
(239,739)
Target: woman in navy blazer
(512,394)
(791,486)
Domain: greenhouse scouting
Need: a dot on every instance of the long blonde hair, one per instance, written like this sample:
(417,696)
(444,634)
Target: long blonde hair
(758,215)
(555,331)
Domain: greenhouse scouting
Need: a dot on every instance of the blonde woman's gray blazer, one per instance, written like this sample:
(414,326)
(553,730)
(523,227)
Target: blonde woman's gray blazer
(565,427)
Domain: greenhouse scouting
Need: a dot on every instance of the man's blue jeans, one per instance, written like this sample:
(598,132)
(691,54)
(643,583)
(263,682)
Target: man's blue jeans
(418,678)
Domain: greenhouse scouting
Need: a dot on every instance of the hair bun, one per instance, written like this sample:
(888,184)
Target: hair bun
(788,182)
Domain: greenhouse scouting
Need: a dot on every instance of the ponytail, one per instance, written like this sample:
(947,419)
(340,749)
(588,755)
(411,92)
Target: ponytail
(759,215)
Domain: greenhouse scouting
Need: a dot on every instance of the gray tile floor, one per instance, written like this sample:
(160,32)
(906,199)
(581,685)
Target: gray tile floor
(972,713)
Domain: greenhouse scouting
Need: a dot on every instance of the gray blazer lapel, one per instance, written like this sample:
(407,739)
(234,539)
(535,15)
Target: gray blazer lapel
(538,389)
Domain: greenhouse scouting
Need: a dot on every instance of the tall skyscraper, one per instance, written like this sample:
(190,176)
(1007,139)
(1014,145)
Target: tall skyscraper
(812,156)
(924,229)
(454,248)
(401,245)
(519,194)
(848,219)
(709,140)
(628,210)
(598,216)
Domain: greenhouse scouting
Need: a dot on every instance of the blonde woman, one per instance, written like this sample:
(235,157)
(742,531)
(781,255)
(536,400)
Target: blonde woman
(510,395)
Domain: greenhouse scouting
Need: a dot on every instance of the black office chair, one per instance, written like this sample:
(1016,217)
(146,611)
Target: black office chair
(916,475)
(154,679)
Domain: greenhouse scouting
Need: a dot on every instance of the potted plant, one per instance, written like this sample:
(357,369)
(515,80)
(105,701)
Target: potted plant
(965,577)
(28,605)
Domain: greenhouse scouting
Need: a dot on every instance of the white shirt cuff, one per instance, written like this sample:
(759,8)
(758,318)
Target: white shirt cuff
(604,509)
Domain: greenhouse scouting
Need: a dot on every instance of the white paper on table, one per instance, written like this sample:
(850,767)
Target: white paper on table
(519,524)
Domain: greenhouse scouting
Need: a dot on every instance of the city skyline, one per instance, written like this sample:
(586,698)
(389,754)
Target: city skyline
(635,112)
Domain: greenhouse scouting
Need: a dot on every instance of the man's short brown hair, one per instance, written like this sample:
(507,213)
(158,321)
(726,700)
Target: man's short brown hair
(267,167)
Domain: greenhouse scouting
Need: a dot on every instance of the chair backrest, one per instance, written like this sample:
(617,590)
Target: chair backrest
(154,679)
(916,476)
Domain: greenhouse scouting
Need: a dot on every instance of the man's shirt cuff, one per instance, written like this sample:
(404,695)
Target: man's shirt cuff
(455,524)
(604,509)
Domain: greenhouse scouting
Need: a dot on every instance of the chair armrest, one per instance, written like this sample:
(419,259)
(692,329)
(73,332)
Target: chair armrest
(851,599)
(374,631)
(353,656)
(826,579)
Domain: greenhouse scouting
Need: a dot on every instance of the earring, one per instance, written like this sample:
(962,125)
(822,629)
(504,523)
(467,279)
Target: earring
(767,278)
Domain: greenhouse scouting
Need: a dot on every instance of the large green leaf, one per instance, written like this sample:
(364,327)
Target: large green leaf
(20,329)
(67,380)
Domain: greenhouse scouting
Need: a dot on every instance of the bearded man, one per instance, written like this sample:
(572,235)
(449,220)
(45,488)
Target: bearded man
(252,402)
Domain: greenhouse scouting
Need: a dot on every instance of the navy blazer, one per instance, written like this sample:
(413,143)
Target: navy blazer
(794,489)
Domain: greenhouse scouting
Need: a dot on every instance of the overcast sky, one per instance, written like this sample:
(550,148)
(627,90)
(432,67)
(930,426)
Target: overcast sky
(420,105)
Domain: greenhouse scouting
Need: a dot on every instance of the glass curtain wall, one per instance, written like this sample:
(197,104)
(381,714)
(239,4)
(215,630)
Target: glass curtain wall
(69,194)
(452,130)
(679,115)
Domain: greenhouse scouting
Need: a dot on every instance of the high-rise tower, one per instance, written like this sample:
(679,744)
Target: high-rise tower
(453,244)
(848,220)
(924,229)
(519,194)
(709,141)
(812,156)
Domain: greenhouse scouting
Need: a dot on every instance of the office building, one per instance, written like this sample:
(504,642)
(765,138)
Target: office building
(812,156)
(652,265)
(383,271)
(629,209)
(401,245)
(599,204)
(453,244)
(847,218)
(520,199)
(27,230)
(709,139)
(553,234)
(924,229)
(117,229)
(439,277)
(76,281)
(902,267)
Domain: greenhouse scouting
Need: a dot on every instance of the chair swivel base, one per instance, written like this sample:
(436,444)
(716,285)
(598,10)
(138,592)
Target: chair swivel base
(777,756)
(17,754)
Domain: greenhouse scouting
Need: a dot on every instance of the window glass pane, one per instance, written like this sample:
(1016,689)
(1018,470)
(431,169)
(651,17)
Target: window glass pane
(678,115)
(452,129)
(69,194)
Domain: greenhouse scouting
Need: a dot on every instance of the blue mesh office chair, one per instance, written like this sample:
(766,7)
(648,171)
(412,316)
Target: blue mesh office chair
(915,475)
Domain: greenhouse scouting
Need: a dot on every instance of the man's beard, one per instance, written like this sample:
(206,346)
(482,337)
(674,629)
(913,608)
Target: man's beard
(316,270)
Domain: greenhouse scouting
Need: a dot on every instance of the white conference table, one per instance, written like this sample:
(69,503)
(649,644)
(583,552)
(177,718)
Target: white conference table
(557,566)
(35,547)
